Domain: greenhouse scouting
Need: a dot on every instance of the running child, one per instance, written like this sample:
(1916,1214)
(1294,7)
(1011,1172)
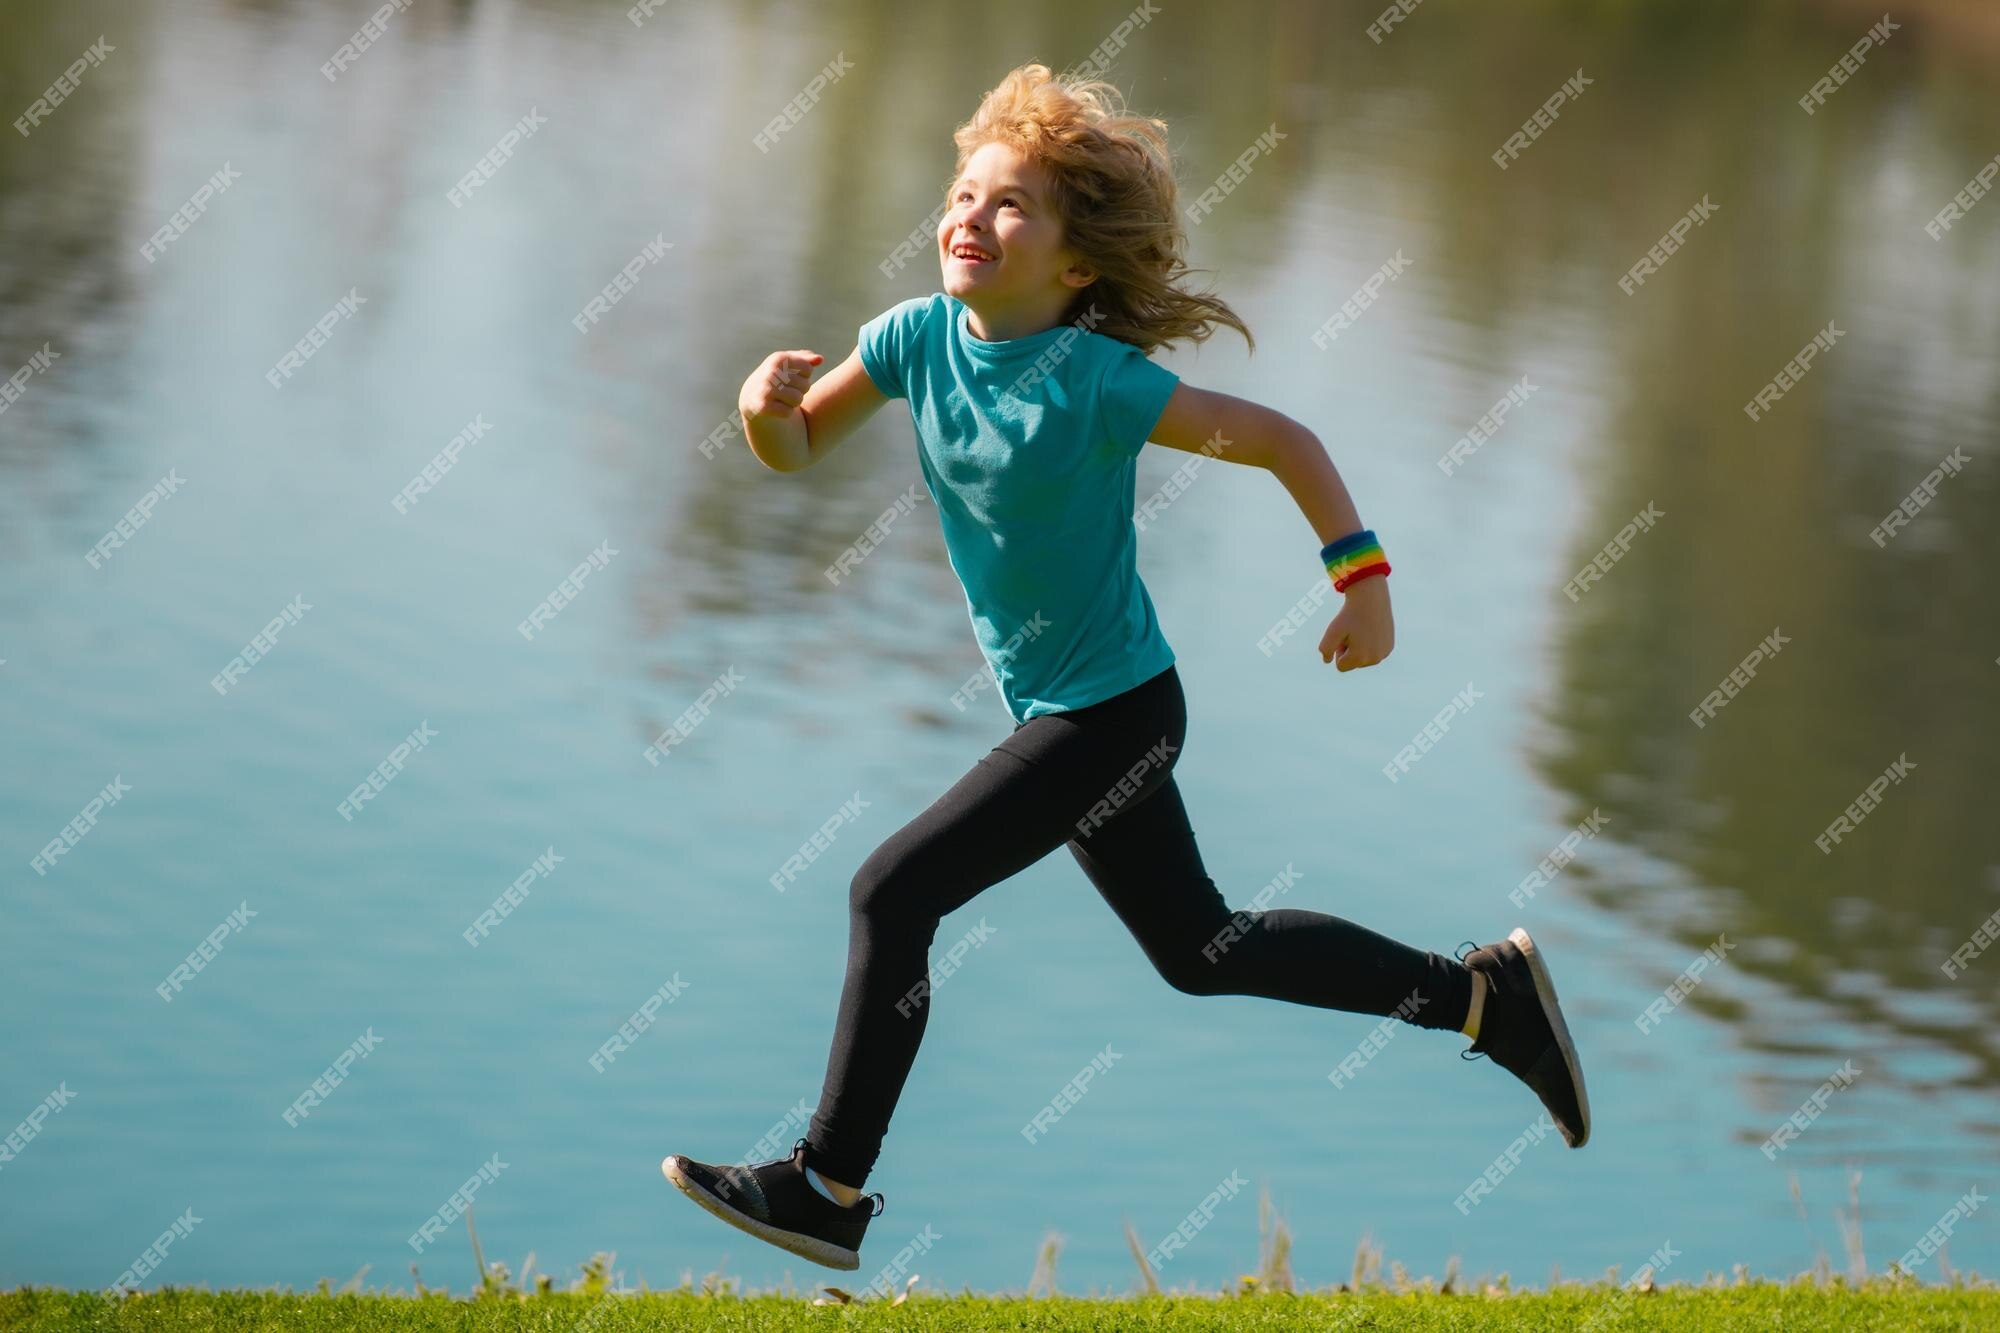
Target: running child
(1029,381)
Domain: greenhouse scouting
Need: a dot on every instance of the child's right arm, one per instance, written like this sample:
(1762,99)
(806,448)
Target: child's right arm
(792,423)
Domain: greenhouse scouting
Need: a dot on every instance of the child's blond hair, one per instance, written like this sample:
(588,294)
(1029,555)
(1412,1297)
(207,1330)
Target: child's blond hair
(1112,185)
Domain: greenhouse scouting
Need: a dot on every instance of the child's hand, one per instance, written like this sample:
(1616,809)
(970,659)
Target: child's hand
(778,385)
(1364,631)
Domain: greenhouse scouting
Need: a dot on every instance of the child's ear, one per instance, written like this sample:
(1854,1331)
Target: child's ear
(1079,275)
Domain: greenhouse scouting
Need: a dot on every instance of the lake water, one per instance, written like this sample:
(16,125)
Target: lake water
(273,494)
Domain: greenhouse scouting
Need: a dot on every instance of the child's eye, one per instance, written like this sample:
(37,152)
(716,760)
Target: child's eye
(967,194)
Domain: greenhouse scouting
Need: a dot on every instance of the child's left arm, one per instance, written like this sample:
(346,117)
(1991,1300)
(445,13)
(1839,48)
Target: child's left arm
(1202,421)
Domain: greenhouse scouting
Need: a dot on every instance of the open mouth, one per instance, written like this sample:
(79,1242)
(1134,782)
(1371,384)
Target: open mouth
(970,255)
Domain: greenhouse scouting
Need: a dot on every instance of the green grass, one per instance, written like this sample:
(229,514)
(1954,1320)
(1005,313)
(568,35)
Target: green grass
(1600,1309)
(1374,1297)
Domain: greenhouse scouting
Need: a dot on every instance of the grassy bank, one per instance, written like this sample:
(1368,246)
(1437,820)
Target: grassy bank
(1599,1309)
(1377,1295)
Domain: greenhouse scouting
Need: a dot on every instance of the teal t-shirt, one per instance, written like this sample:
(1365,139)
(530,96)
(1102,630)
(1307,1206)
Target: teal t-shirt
(1029,448)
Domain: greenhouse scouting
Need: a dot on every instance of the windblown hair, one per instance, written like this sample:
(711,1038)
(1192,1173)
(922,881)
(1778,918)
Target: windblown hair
(1112,185)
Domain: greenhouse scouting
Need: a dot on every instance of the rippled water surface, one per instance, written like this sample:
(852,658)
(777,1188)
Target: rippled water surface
(267,497)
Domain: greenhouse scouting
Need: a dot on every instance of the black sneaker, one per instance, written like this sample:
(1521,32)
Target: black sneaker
(1522,1028)
(774,1201)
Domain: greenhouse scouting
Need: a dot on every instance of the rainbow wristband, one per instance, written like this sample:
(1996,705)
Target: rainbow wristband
(1352,558)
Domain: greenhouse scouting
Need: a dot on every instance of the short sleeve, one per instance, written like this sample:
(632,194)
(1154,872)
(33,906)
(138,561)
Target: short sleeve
(888,342)
(1134,394)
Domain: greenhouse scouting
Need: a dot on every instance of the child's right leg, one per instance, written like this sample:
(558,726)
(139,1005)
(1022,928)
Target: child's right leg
(1021,801)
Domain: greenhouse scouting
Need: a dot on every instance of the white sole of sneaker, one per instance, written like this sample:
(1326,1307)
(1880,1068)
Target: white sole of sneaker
(806,1247)
(1545,990)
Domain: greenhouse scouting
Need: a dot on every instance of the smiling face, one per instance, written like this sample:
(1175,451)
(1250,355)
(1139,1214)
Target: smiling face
(1001,246)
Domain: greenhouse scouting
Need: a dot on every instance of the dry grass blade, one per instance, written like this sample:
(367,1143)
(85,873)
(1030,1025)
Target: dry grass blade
(1139,1257)
(1822,1271)
(1044,1276)
(1850,1228)
(1367,1263)
(478,1257)
(1274,1247)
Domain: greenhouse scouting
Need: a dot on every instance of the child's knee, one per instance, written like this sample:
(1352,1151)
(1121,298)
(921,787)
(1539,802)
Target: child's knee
(881,886)
(868,892)
(1200,967)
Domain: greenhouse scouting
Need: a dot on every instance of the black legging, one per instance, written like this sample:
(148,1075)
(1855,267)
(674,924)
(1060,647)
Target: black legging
(1100,780)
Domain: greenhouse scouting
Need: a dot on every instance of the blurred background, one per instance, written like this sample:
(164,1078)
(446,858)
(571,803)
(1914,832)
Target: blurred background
(283,489)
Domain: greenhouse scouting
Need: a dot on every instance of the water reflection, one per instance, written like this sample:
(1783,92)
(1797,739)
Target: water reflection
(1820,218)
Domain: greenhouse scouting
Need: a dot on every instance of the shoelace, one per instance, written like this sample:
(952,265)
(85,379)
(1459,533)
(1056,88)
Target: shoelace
(1469,1053)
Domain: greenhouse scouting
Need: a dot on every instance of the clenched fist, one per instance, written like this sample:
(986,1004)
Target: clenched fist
(1364,631)
(778,385)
